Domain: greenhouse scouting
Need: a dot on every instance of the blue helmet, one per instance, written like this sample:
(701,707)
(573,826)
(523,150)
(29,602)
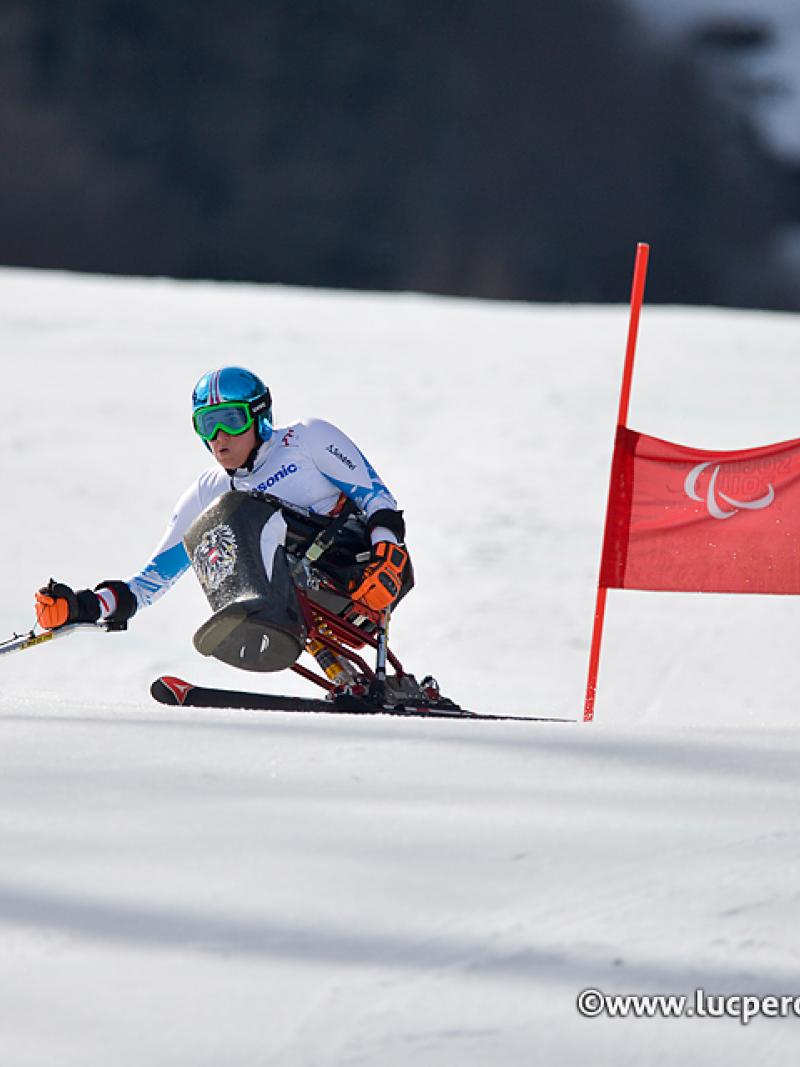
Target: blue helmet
(235,384)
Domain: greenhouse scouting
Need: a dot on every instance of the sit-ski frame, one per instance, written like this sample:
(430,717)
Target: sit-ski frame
(343,638)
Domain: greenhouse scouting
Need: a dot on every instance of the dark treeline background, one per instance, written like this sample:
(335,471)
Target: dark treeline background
(517,148)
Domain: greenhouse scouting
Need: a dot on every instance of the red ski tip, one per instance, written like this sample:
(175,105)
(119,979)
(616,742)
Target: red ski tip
(177,687)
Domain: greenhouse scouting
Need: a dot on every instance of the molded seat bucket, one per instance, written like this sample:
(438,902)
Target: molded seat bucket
(257,624)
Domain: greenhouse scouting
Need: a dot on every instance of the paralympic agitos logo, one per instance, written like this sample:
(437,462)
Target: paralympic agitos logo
(715,498)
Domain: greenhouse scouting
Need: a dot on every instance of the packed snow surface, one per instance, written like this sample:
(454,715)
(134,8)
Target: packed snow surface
(217,887)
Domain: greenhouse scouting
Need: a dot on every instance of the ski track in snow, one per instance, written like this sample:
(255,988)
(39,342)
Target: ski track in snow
(215,887)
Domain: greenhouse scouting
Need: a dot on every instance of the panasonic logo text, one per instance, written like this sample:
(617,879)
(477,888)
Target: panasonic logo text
(284,472)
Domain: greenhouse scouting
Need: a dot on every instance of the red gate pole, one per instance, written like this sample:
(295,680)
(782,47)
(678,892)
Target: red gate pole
(637,296)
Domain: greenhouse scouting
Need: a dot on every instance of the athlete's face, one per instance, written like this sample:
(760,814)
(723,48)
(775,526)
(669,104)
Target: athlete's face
(232,451)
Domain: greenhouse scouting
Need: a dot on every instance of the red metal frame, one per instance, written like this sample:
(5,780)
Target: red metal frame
(312,676)
(341,637)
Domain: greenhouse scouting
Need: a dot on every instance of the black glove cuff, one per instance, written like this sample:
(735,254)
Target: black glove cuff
(126,601)
(88,606)
(392,520)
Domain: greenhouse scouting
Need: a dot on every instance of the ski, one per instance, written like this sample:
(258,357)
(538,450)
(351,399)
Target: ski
(32,639)
(176,692)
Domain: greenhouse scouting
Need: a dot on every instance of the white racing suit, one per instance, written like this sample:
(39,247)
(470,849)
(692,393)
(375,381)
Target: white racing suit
(308,464)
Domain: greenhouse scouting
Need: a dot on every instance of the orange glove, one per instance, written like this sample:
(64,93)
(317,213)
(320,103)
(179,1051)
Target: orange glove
(383,578)
(57,604)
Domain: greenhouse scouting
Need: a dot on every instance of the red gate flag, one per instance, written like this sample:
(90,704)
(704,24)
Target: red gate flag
(682,519)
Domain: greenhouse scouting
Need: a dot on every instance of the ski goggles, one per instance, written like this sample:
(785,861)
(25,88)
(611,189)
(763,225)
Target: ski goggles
(232,418)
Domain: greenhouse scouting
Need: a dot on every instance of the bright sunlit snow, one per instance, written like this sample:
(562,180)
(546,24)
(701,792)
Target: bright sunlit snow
(212,887)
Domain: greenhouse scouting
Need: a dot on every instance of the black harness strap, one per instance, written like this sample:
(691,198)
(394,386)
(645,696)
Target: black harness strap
(325,538)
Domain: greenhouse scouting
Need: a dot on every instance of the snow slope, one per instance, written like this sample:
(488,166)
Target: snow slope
(226,887)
